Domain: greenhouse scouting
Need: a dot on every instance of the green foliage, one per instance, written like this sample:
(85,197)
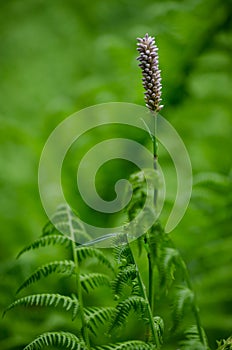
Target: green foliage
(67,222)
(129,345)
(184,297)
(58,339)
(225,344)
(124,277)
(98,315)
(192,341)
(52,61)
(48,300)
(90,317)
(91,281)
(65,266)
(133,303)
(45,241)
(84,253)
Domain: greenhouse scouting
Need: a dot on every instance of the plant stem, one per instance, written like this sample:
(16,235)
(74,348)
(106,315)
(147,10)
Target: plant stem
(149,257)
(78,283)
(79,294)
(194,306)
(150,273)
(144,295)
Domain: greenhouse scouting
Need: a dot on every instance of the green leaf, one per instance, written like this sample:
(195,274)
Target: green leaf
(184,297)
(60,339)
(91,281)
(67,222)
(192,341)
(125,277)
(135,303)
(84,253)
(168,261)
(47,300)
(46,241)
(98,315)
(225,344)
(65,266)
(128,345)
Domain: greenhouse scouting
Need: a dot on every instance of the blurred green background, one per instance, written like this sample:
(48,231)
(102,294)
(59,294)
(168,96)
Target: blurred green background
(57,57)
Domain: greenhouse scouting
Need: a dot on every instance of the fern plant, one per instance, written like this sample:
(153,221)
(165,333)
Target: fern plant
(91,317)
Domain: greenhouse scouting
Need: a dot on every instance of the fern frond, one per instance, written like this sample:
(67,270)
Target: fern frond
(89,281)
(122,254)
(211,179)
(45,241)
(84,253)
(98,315)
(135,303)
(184,297)
(65,266)
(67,222)
(47,300)
(49,229)
(124,277)
(60,339)
(225,344)
(128,345)
(159,326)
(192,341)
(167,264)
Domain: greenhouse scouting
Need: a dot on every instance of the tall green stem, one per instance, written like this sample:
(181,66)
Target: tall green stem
(194,307)
(79,294)
(150,262)
(145,297)
(78,283)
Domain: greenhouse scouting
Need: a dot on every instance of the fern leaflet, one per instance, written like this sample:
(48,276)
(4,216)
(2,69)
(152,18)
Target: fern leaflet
(192,341)
(98,315)
(47,300)
(65,266)
(136,303)
(183,297)
(59,339)
(84,253)
(93,280)
(126,274)
(45,241)
(67,222)
(128,345)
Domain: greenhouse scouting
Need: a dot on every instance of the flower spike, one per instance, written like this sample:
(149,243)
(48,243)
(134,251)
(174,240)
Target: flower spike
(149,63)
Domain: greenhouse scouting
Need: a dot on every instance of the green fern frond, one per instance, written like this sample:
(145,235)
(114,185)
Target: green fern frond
(98,315)
(128,345)
(159,325)
(47,300)
(67,222)
(89,281)
(60,339)
(45,241)
(192,341)
(122,254)
(125,276)
(183,297)
(157,238)
(211,180)
(49,229)
(135,303)
(84,253)
(65,266)
(167,263)
(225,344)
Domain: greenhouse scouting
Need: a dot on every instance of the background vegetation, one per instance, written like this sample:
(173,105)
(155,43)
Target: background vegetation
(60,56)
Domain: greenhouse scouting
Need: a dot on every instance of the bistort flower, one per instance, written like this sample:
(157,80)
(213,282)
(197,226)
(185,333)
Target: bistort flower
(149,63)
